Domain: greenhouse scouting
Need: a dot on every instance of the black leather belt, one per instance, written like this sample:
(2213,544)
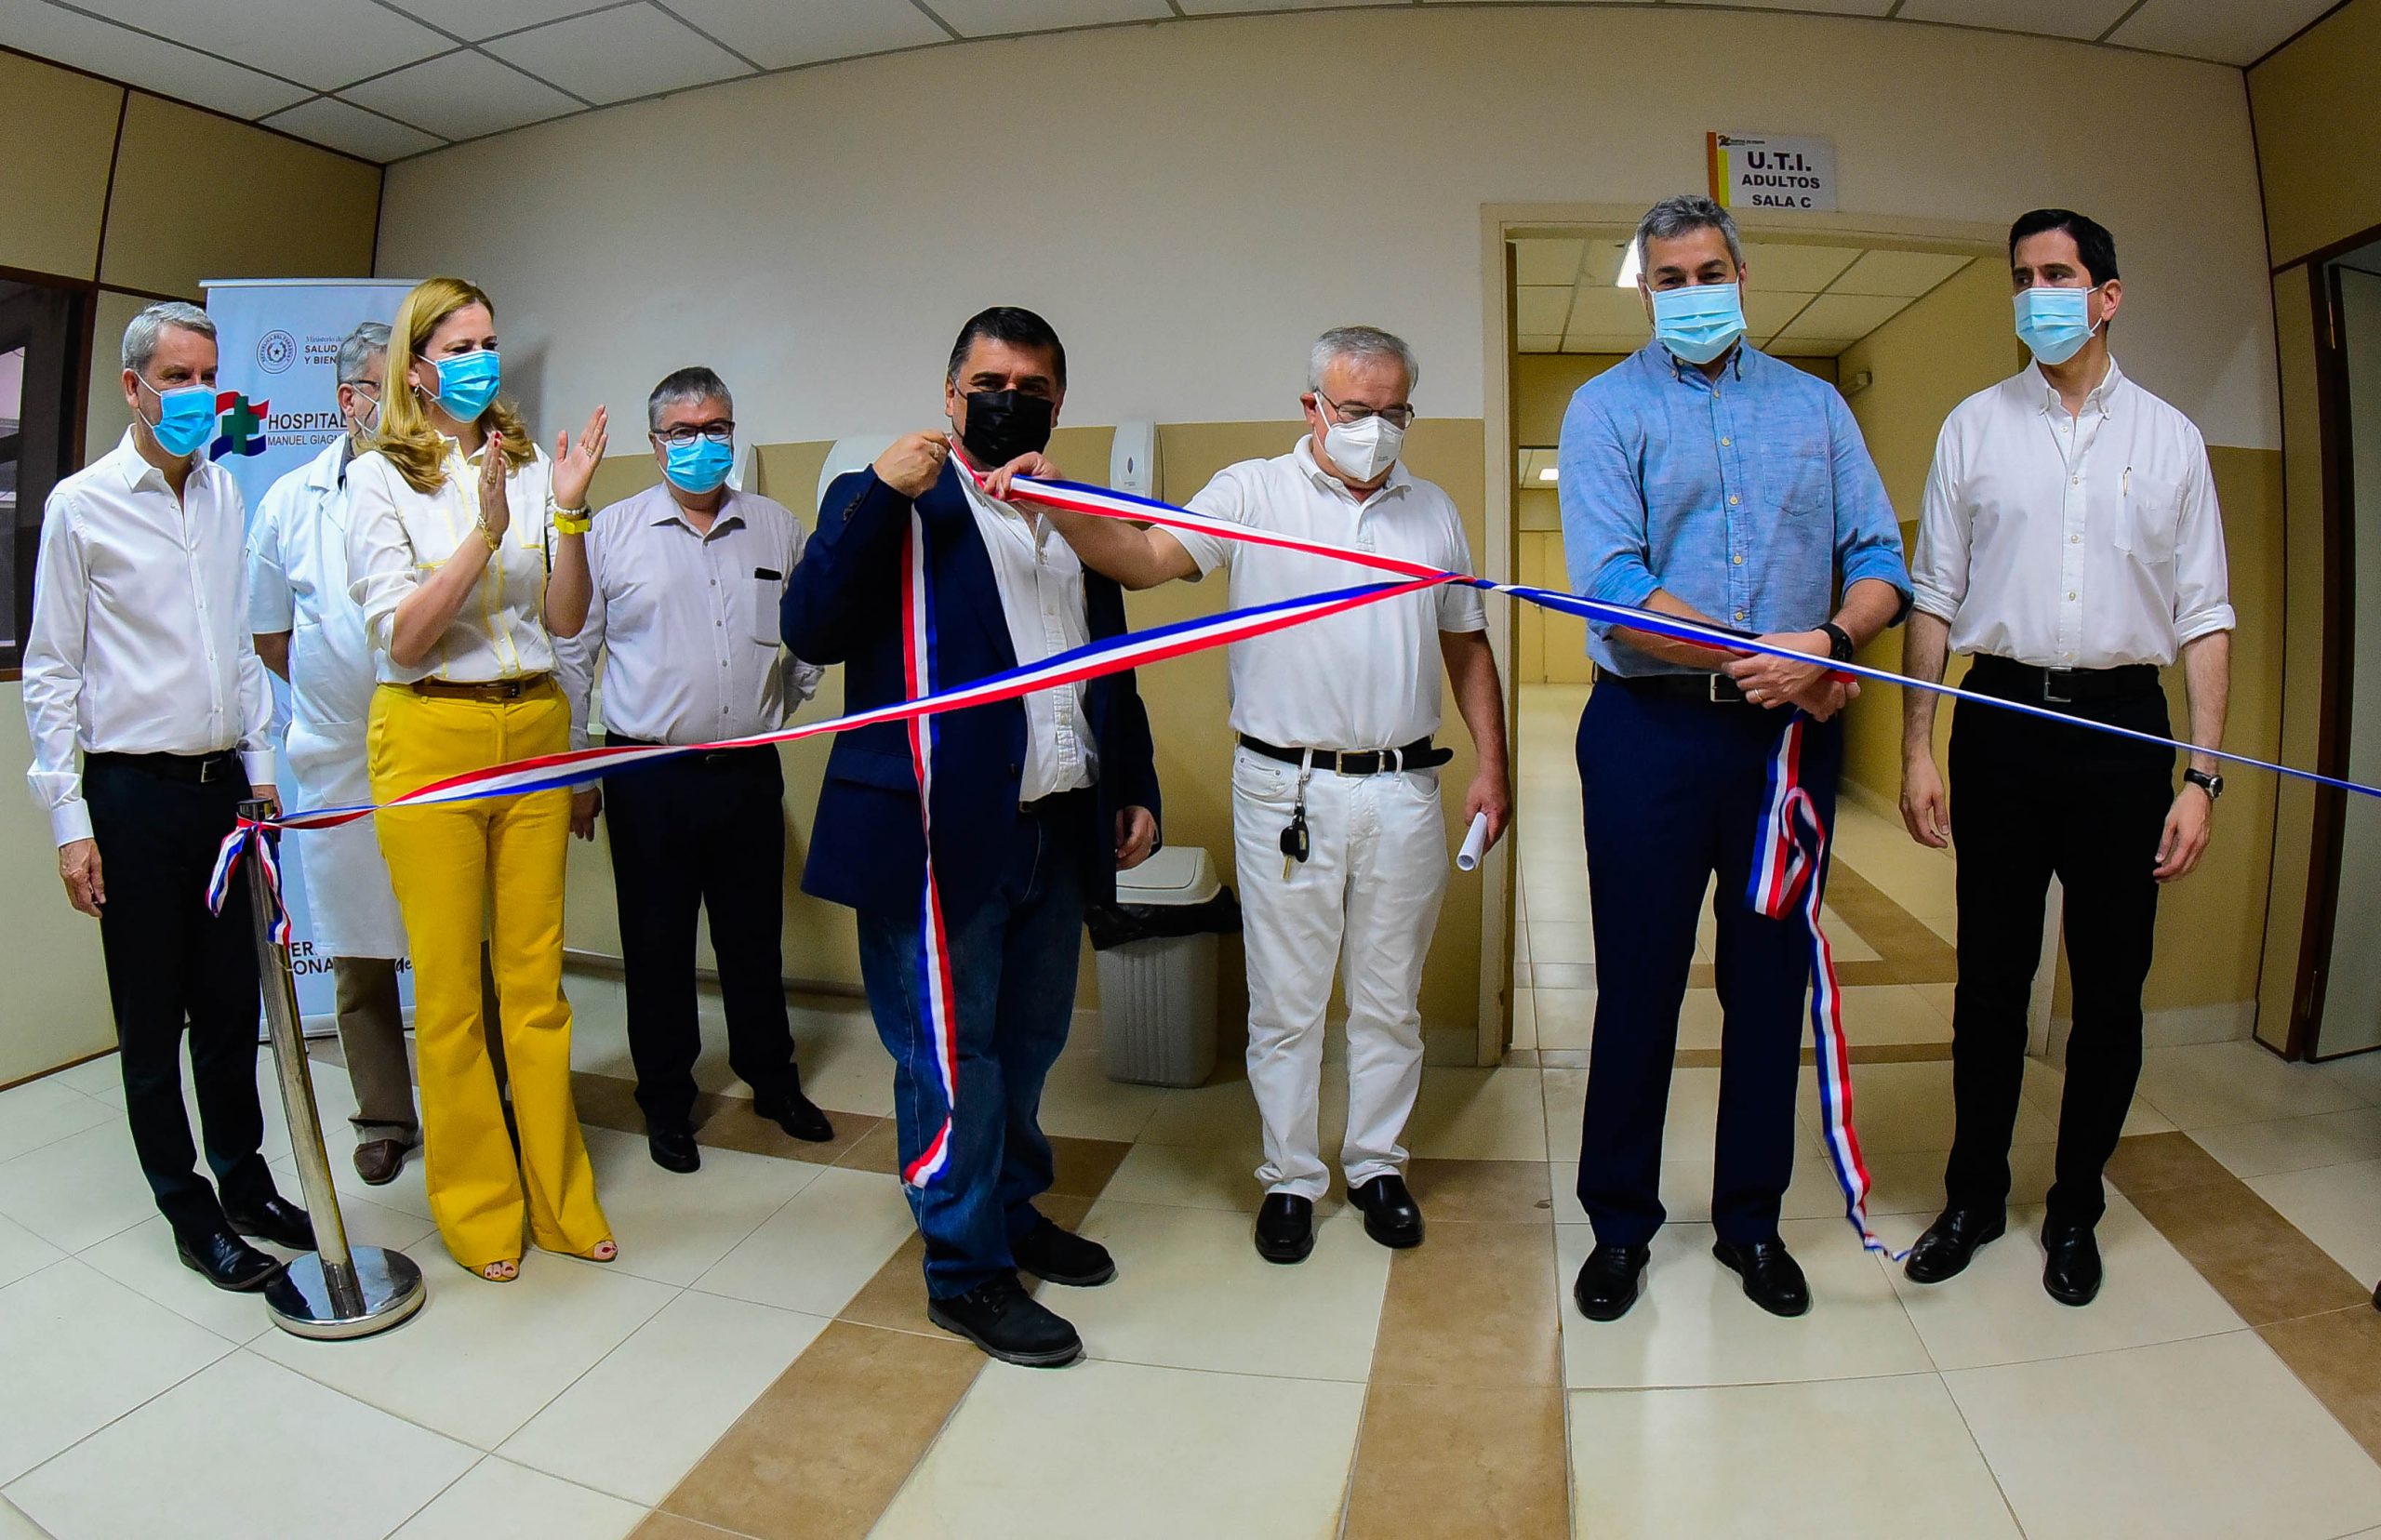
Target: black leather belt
(2011,680)
(714,757)
(1704,689)
(197,769)
(1416,755)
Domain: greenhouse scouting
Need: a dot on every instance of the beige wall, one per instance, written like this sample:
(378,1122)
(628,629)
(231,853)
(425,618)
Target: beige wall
(2317,105)
(1189,706)
(187,194)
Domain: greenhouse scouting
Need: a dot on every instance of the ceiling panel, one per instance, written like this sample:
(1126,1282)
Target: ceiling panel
(1539,309)
(1766,310)
(614,55)
(461,95)
(1213,7)
(1547,344)
(2237,32)
(1606,310)
(2050,17)
(479,19)
(989,18)
(1605,258)
(1845,317)
(1908,274)
(774,34)
(1546,262)
(1605,342)
(321,43)
(327,120)
(1796,268)
(38,27)
(1832,7)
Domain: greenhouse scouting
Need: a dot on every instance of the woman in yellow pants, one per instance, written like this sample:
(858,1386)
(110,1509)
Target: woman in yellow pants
(464,552)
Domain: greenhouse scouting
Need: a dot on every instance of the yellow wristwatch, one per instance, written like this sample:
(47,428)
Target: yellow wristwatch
(573,521)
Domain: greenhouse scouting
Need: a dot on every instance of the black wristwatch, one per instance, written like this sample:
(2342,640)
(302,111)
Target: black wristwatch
(2212,785)
(1838,641)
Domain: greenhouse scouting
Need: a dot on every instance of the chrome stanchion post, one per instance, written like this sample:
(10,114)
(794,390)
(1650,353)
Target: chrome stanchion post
(337,1290)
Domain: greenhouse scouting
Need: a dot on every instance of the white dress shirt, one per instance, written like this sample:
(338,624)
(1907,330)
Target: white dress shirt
(2066,541)
(687,623)
(298,583)
(1367,679)
(397,536)
(1041,587)
(140,638)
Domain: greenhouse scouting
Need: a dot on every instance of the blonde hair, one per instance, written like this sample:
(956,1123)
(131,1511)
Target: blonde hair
(406,437)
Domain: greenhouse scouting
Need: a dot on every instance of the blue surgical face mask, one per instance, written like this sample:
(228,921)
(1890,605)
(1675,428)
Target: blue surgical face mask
(2053,323)
(1699,322)
(467,383)
(185,417)
(699,465)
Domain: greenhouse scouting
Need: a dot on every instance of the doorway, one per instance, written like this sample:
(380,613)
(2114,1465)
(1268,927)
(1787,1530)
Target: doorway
(1905,325)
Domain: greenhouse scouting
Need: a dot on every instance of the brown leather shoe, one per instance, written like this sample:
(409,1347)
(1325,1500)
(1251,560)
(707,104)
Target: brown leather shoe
(379,1160)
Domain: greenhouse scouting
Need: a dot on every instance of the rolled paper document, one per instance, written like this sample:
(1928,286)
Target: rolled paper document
(1474,841)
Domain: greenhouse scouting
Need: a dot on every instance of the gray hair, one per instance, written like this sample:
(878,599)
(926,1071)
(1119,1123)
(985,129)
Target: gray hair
(1360,342)
(360,347)
(1684,215)
(140,338)
(682,386)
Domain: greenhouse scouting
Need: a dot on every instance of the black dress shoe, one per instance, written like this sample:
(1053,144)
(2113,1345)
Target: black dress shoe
(796,1113)
(1391,1217)
(279,1221)
(1057,1256)
(1773,1279)
(1951,1243)
(226,1261)
(1286,1227)
(672,1147)
(1006,1322)
(1609,1280)
(2072,1265)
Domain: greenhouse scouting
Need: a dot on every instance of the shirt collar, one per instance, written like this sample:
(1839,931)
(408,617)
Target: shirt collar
(1399,479)
(1681,369)
(670,512)
(136,470)
(2102,399)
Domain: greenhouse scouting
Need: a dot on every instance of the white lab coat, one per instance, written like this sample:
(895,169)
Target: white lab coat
(298,583)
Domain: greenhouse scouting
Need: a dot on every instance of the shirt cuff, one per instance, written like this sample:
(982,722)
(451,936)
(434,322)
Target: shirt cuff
(2206,622)
(1932,601)
(1639,588)
(260,769)
(69,821)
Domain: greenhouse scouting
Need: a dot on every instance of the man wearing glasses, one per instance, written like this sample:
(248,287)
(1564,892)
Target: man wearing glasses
(1340,841)
(687,576)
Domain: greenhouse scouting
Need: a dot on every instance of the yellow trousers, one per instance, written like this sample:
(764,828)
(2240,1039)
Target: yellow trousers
(492,869)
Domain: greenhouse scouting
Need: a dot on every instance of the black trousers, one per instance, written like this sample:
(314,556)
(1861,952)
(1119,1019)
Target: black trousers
(2029,799)
(1674,791)
(169,962)
(708,831)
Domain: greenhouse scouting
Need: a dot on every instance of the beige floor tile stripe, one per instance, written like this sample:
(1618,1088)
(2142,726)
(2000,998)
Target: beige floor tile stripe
(1462,1433)
(821,1454)
(2306,1307)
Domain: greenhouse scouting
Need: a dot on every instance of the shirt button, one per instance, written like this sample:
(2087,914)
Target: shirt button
(1740,614)
(2075,539)
(2075,481)
(2070,596)
(1732,500)
(1725,442)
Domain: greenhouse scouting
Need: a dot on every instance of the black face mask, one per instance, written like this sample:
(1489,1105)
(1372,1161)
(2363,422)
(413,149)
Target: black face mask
(1005,424)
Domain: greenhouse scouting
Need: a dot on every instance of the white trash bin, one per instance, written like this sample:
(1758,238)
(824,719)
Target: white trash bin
(1157,997)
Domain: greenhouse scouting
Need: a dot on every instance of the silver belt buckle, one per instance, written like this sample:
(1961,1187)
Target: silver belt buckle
(210,768)
(2057,684)
(1723,689)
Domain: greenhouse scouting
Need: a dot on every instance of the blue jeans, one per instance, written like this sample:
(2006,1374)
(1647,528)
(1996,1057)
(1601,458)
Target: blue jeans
(1013,963)
(1674,791)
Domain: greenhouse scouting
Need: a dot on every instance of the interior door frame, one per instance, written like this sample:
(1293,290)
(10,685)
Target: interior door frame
(1499,221)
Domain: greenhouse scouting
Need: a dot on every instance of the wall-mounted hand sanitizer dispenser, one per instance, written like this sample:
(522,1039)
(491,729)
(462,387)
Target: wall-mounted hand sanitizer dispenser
(1132,462)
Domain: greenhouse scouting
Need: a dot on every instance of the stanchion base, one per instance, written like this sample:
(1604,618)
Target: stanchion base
(299,1300)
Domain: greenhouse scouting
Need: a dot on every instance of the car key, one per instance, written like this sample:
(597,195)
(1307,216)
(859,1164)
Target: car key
(1295,845)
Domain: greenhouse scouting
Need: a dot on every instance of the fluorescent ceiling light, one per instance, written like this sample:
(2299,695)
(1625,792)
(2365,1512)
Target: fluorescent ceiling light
(1548,473)
(1629,269)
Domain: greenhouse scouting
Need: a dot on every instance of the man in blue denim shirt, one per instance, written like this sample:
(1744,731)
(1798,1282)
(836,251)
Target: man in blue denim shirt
(1702,478)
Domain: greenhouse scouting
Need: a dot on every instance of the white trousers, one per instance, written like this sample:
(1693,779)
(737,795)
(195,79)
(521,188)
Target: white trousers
(1365,901)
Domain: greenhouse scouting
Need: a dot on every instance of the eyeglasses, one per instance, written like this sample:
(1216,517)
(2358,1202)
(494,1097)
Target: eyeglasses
(685,433)
(1400,416)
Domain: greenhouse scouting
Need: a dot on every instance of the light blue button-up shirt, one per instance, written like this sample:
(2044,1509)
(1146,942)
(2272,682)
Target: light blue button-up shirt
(1745,497)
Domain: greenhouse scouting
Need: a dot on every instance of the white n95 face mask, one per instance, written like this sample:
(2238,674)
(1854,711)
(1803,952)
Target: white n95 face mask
(1362,450)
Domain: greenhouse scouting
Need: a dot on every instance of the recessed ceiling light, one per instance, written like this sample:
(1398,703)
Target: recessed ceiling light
(1629,269)
(1548,473)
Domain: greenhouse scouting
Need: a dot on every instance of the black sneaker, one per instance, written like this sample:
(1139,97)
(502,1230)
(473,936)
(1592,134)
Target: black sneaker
(1057,1256)
(1006,1322)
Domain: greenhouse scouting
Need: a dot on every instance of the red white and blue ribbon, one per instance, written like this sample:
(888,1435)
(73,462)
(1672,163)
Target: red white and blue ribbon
(1803,852)
(936,991)
(1786,878)
(247,836)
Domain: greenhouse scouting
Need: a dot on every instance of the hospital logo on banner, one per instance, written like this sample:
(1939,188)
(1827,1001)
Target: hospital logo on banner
(242,423)
(276,351)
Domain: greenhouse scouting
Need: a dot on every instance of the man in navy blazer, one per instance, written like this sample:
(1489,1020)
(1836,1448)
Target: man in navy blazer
(1037,804)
